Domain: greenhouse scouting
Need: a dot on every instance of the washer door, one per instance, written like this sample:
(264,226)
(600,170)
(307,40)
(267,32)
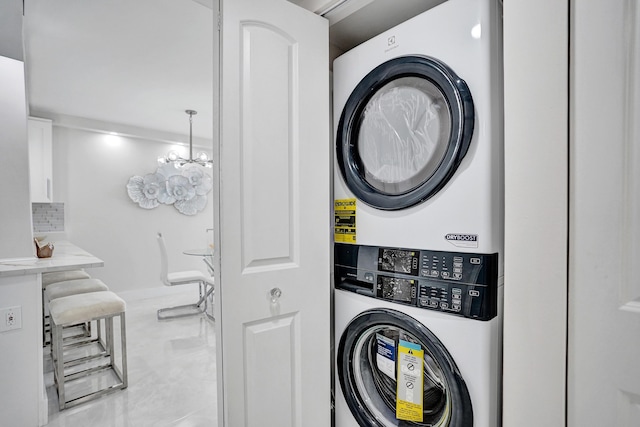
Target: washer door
(368,383)
(403,132)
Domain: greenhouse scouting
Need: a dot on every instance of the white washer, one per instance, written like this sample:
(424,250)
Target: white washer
(380,302)
(419,139)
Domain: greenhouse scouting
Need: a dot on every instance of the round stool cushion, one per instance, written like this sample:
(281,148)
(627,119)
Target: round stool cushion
(63,276)
(85,307)
(73,287)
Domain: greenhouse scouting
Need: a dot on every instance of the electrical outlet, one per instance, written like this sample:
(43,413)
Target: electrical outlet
(10,318)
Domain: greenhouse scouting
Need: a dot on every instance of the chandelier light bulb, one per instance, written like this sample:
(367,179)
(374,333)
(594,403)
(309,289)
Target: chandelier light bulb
(172,156)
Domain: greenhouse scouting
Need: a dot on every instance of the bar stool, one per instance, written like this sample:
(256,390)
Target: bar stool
(55,277)
(82,308)
(63,276)
(73,287)
(70,287)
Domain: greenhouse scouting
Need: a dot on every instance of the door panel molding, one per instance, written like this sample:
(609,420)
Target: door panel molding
(629,285)
(268,131)
(272,371)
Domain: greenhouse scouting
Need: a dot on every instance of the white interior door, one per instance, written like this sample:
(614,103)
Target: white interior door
(604,268)
(273,216)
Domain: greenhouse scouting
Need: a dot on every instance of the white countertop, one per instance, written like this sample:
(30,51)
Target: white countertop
(66,256)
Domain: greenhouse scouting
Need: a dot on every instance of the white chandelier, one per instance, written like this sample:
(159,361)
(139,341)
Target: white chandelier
(174,158)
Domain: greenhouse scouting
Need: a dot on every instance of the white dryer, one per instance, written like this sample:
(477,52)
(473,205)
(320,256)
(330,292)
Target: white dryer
(419,139)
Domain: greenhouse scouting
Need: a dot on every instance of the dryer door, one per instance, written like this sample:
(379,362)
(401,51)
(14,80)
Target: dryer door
(373,377)
(403,132)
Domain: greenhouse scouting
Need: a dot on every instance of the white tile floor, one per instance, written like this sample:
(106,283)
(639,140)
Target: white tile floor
(172,372)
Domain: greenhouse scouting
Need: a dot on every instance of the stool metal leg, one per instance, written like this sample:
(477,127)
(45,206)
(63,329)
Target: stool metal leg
(122,374)
(109,345)
(123,338)
(108,324)
(56,342)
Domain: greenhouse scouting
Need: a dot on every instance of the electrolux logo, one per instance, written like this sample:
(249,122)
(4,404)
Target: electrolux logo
(391,43)
(462,240)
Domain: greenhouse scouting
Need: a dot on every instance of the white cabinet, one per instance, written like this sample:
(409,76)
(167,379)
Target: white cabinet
(40,160)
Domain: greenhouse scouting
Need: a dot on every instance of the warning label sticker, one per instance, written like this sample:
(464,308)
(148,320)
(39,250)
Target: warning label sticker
(386,356)
(409,405)
(344,228)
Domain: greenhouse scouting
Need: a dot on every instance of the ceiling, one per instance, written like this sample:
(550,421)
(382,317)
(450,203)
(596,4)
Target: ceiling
(123,64)
(135,63)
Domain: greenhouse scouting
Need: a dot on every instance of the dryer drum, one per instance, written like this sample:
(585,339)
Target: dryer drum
(371,393)
(404,131)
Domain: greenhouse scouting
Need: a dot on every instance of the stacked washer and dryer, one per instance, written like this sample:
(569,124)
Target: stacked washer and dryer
(419,247)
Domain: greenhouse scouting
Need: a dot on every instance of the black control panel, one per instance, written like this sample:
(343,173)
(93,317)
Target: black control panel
(463,284)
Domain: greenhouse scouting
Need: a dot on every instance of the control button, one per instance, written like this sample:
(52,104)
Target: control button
(456,290)
(456,296)
(445,274)
(455,307)
(474,293)
(457,270)
(423,302)
(368,277)
(476,261)
(457,259)
(457,276)
(457,265)
(425,272)
(433,303)
(444,305)
(434,273)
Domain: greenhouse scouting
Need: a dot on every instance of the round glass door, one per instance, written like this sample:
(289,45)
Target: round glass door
(403,132)
(369,381)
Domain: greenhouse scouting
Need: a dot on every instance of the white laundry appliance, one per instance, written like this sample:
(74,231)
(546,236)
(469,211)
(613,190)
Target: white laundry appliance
(382,306)
(419,133)
(418,228)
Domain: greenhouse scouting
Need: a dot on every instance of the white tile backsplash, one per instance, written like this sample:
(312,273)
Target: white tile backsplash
(47,217)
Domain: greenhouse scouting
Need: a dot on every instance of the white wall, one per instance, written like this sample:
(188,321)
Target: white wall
(90,174)
(536,202)
(11,29)
(21,367)
(15,207)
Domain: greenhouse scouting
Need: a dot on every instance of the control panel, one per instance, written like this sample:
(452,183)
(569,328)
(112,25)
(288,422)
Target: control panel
(463,284)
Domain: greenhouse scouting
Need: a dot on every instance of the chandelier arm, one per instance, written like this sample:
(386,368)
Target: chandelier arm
(202,158)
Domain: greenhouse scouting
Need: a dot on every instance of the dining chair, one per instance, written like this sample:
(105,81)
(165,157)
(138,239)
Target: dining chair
(205,286)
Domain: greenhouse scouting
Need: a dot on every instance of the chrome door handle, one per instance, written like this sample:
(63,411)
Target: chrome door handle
(275,295)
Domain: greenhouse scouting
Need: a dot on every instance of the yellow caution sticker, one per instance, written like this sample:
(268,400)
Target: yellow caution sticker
(409,404)
(344,228)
